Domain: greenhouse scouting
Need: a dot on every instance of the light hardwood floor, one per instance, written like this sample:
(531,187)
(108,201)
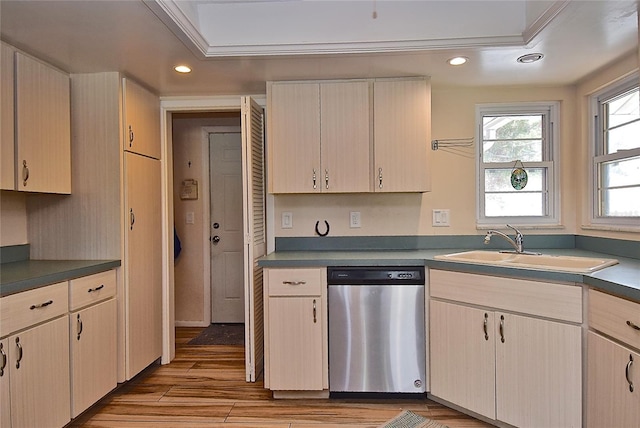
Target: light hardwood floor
(204,387)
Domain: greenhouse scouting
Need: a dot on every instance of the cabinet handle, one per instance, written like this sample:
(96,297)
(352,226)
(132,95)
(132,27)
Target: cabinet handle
(19,346)
(41,305)
(326,179)
(25,173)
(315,186)
(486,330)
(380,178)
(4,359)
(633,325)
(294,282)
(502,328)
(100,287)
(315,319)
(132,218)
(79,326)
(627,371)
(130,136)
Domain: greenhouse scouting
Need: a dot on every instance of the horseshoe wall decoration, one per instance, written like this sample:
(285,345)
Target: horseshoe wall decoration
(318,231)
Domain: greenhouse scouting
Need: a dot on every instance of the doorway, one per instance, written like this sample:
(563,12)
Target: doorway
(226,227)
(187,281)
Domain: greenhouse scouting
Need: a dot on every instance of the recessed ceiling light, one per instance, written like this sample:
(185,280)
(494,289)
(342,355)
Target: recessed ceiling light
(459,60)
(529,58)
(182,69)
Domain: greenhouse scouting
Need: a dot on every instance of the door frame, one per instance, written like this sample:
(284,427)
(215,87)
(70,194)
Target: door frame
(168,106)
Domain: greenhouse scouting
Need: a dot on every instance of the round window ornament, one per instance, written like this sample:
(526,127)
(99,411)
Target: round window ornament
(519,176)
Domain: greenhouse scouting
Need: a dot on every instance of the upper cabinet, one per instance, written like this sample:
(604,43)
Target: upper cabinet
(320,136)
(43,127)
(142,120)
(7,160)
(402,134)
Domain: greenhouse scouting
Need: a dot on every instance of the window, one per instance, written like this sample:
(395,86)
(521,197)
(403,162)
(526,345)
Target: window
(517,136)
(616,160)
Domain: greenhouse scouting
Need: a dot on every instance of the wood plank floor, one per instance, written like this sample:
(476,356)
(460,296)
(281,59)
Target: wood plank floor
(204,387)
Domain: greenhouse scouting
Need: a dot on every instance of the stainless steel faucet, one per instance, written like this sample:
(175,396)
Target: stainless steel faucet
(517,243)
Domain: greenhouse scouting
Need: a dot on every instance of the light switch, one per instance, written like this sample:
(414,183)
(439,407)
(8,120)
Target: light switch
(190,217)
(354,219)
(441,218)
(287,220)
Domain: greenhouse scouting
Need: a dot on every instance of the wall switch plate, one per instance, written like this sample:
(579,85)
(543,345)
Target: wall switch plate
(441,218)
(287,220)
(190,218)
(354,219)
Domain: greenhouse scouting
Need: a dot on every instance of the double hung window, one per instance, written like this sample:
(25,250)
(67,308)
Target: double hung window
(616,154)
(512,137)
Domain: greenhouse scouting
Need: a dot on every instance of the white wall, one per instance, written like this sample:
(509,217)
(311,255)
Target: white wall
(13,218)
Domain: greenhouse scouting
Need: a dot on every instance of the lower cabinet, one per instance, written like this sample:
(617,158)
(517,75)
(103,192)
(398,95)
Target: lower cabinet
(613,384)
(523,370)
(58,353)
(38,366)
(613,362)
(5,394)
(93,350)
(296,350)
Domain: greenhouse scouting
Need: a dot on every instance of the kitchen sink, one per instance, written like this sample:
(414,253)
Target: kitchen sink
(575,264)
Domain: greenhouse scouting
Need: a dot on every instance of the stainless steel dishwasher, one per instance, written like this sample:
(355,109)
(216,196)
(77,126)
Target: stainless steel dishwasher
(376,329)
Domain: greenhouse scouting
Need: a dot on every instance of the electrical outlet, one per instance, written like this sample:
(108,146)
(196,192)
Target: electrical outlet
(354,219)
(287,220)
(441,218)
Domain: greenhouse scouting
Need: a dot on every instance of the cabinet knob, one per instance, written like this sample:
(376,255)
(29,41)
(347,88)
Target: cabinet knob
(19,346)
(25,173)
(3,361)
(130,136)
(627,371)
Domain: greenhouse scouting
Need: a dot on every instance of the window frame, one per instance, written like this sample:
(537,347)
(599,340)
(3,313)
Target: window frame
(550,111)
(597,155)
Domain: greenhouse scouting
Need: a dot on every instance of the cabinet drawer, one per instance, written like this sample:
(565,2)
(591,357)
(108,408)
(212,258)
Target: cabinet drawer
(545,299)
(615,316)
(90,289)
(296,282)
(31,307)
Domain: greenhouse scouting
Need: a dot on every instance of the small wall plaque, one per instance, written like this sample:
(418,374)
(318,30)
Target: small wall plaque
(189,189)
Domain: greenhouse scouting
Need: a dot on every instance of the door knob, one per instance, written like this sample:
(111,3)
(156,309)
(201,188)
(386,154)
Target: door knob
(215,239)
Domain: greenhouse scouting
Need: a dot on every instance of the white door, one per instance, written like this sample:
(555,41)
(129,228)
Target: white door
(227,284)
(254,233)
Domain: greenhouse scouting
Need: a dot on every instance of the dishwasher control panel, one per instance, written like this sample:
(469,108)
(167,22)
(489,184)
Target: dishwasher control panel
(372,275)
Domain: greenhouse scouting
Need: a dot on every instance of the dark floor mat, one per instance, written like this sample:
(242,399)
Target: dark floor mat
(220,334)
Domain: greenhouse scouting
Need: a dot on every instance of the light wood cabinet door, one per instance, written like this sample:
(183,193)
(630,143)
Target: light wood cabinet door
(402,134)
(142,120)
(294,138)
(5,400)
(39,375)
(93,348)
(295,344)
(43,127)
(345,145)
(143,262)
(538,372)
(611,368)
(7,161)
(463,357)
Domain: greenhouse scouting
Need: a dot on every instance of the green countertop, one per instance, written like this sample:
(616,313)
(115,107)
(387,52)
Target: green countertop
(622,279)
(29,274)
